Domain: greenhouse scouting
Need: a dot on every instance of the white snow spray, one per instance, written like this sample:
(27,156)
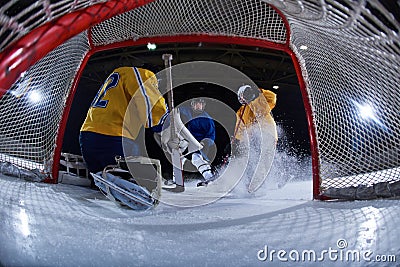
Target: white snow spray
(287,166)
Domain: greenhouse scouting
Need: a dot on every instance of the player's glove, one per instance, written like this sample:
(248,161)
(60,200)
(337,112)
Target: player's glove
(175,143)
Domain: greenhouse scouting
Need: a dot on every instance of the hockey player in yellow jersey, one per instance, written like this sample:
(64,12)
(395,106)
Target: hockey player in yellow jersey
(255,135)
(127,101)
(257,104)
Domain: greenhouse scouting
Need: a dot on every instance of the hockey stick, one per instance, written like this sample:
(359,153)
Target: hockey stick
(176,154)
(225,159)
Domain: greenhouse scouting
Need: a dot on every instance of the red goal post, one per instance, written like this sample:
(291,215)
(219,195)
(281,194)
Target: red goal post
(63,42)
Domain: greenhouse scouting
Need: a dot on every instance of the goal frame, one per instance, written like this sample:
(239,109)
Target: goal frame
(32,47)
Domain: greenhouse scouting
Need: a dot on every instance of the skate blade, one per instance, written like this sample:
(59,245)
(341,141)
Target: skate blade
(174,188)
(202,183)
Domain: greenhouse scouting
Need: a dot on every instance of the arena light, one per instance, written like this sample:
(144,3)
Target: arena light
(275,87)
(367,113)
(35,96)
(303,47)
(151,46)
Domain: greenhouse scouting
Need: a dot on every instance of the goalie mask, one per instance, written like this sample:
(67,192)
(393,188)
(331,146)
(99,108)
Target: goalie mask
(198,105)
(247,93)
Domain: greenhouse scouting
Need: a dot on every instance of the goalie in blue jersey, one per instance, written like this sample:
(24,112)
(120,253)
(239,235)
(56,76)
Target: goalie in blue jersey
(202,127)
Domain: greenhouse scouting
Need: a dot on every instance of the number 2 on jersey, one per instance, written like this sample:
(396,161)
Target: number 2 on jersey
(111,82)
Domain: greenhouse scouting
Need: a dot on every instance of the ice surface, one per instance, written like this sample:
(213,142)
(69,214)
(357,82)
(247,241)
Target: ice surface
(66,225)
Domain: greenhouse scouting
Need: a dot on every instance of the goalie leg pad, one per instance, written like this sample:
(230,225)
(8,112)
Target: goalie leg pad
(202,165)
(124,192)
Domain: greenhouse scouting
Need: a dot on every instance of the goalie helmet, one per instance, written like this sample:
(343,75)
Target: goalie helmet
(247,93)
(198,104)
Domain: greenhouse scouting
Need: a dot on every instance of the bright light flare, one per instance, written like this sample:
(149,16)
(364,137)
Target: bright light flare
(35,96)
(24,223)
(367,113)
(151,46)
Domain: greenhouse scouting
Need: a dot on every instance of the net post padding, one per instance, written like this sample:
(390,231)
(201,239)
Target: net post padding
(25,52)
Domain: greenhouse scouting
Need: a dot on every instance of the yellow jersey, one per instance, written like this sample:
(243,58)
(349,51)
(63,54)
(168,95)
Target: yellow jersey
(128,100)
(257,110)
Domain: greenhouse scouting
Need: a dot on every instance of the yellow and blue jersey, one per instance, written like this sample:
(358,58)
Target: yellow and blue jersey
(128,100)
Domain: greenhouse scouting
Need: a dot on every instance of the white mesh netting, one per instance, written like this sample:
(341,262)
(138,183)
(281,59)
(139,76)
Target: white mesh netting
(352,63)
(32,109)
(348,51)
(253,19)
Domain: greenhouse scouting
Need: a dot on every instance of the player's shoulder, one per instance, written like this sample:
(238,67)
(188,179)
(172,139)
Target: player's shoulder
(204,118)
(122,69)
(184,108)
(269,95)
(127,69)
(206,115)
(145,72)
(185,111)
(266,92)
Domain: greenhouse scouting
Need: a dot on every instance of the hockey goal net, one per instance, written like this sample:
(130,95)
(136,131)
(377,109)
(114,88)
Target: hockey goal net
(346,53)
